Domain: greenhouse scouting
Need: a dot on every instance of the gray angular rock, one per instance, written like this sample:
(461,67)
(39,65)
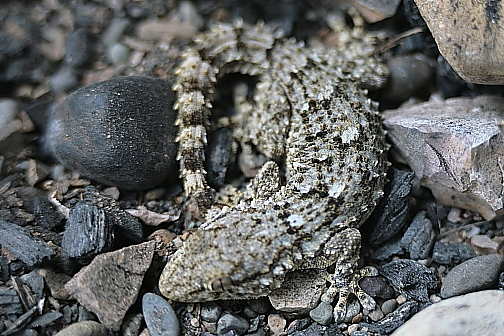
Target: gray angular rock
(445,253)
(392,321)
(454,147)
(112,279)
(419,237)
(88,231)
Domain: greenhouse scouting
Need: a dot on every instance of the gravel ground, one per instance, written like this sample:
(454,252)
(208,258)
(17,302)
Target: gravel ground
(50,48)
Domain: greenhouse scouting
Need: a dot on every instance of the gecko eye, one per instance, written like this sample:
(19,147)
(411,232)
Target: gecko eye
(220,285)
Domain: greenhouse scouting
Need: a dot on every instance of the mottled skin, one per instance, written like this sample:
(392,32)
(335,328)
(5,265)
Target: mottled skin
(310,114)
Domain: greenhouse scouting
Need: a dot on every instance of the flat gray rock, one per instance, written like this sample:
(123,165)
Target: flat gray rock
(472,314)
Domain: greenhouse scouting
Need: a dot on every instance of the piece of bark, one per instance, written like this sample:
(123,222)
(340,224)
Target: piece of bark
(455,148)
(22,245)
(110,285)
(89,231)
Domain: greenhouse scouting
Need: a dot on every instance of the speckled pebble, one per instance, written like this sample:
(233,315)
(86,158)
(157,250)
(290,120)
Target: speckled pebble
(410,278)
(376,314)
(276,323)
(230,322)
(322,314)
(445,253)
(210,311)
(471,314)
(389,306)
(119,132)
(159,316)
(472,275)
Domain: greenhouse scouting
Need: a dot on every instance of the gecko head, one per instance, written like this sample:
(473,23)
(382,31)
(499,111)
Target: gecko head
(212,266)
(188,280)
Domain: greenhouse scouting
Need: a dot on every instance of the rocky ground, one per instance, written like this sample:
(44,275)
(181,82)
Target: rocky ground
(85,253)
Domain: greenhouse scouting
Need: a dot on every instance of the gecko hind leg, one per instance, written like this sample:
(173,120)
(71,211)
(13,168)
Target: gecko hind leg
(342,251)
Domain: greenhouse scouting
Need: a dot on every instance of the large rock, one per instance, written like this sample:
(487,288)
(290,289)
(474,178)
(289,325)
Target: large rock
(470,36)
(477,313)
(455,148)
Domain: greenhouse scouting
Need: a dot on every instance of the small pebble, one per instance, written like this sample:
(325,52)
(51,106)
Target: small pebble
(484,245)
(8,110)
(117,54)
(210,311)
(401,299)
(114,31)
(159,316)
(376,315)
(63,81)
(434,298)
(85,328)
(389,306)
(276,323)
(377,287)
(472,275)
(230,322)
(322,314)
(471,314)
(77,48)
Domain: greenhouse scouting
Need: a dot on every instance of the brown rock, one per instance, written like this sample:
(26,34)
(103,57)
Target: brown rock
(300,292)
(376,10)
(470,35)
(111,283)
(455,149)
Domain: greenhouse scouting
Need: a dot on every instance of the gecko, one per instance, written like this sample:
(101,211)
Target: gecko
(326,149)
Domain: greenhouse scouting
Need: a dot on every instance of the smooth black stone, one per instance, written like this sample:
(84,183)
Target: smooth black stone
(119,132)
(217,156)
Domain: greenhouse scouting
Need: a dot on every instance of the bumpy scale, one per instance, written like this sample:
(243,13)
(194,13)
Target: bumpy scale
(311,114)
